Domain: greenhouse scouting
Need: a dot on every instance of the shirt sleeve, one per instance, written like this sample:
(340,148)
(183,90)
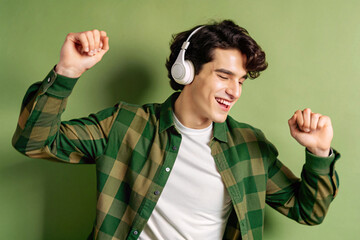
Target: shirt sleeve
(306,199)
(40,133)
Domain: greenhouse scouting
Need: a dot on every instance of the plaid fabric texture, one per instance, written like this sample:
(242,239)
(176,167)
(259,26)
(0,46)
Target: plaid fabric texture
(133,145)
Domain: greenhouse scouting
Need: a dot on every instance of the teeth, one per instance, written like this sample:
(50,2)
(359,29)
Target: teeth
(223,101)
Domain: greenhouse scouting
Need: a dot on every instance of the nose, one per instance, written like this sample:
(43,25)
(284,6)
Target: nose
(234,89)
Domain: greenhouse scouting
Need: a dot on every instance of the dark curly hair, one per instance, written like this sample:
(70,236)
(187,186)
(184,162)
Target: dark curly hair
(223,35)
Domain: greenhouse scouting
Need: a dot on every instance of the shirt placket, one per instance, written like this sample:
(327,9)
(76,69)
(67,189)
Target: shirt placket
(157,186)
(231,185)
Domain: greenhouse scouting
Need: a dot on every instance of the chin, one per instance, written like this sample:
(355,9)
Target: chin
(219,119)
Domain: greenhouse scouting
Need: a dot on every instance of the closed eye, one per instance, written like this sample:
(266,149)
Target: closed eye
(222,76)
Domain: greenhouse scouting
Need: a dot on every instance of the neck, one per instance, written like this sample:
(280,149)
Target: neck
(186,113)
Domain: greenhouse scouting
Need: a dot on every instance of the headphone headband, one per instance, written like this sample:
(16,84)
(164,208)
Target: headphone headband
(183,70)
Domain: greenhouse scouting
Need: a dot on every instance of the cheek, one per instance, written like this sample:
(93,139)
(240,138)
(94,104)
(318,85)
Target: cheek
(218,87)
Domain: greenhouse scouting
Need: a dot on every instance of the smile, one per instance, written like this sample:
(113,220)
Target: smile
(225,104)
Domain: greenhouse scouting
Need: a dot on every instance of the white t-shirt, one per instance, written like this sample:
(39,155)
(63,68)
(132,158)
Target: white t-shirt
(194,203)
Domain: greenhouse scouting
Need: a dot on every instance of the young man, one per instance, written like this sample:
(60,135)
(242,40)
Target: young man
(183,169)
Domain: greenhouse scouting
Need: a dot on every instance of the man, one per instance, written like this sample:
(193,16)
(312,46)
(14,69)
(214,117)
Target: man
(183,169)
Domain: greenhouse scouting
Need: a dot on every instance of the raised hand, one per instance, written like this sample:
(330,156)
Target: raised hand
(81,51)
(312,130)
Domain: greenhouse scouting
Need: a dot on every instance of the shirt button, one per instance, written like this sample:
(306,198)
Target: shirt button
(48,80)
(167,169)
(135,232)
(157,192)
(174,148)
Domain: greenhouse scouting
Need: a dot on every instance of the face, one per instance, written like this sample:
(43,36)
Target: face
(218,86)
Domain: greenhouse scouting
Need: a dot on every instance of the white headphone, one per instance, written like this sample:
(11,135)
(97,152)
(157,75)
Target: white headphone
(183,70)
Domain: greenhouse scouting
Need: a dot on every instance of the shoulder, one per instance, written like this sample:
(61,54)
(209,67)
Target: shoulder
(246,130)
(128,111)
(243,133)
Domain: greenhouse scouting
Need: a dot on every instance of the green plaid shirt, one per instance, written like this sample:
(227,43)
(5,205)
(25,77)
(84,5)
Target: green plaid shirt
(134,147)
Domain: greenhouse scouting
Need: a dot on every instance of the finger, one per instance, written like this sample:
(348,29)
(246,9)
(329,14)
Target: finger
(306,116)
(293,125)
(104,49)
(314,121)
(323,121)
(90,38)
(299,119)
(102,37)
(81,37)
(292,120)
(106,44)
(96,35)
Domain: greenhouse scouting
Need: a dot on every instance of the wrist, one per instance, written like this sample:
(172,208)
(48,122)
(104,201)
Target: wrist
(67,72)
(319,152)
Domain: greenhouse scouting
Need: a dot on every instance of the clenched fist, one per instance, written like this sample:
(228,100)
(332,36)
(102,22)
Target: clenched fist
(312,130)
(81,51)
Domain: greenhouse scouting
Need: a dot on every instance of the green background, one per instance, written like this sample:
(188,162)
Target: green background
(313,50)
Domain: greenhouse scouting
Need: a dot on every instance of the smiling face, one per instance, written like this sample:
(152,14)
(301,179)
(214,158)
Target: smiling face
(214,90)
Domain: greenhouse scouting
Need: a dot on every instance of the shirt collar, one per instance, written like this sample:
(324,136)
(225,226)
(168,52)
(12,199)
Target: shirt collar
(167,120)
(220,131)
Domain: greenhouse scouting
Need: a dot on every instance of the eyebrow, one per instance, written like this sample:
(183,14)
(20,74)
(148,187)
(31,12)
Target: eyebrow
(222,70)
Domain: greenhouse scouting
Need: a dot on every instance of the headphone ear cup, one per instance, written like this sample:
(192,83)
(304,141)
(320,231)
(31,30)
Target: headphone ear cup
(190,72)
(178,71)
(183,72)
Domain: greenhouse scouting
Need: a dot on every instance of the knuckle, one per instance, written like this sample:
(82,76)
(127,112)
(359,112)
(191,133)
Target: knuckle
(88,33)
(326,118)
(316,115)
(82,35)
(69,35)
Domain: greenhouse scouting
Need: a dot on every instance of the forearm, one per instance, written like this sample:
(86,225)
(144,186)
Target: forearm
(307,200)
(39,119)
(319,187)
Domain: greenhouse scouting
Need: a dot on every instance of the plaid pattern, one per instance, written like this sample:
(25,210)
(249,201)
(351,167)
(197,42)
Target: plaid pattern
(133,145)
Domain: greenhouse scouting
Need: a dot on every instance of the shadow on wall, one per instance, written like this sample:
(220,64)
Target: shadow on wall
(129,81)
(51,200)
(268,223)
(70,201)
